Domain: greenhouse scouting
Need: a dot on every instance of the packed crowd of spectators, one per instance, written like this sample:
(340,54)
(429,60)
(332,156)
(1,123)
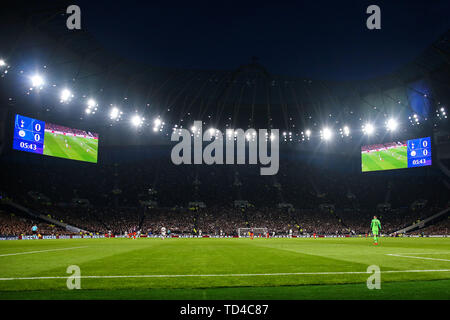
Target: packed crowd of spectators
(382,146)
(218,220)
(440,228)
(55,127)
(12,224)
(109,197)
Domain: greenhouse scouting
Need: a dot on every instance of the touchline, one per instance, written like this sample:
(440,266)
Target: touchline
(235,143)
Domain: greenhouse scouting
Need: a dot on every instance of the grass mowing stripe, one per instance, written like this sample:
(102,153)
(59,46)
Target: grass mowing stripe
(222,263)
(223,275)
(411,290)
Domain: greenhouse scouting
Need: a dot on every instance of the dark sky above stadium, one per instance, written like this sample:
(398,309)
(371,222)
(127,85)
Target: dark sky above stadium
(318,39)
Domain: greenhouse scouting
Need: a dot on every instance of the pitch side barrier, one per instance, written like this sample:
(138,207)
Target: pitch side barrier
(156,236)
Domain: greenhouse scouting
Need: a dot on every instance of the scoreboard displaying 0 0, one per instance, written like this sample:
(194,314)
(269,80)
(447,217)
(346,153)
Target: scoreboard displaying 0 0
(419,152)
(36,136)
(29,134)
(396,155)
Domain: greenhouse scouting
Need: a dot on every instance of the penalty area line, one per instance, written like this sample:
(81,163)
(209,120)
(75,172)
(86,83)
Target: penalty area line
(30,252)
(219,275)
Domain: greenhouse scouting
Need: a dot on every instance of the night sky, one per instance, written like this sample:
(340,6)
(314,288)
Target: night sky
(317,39)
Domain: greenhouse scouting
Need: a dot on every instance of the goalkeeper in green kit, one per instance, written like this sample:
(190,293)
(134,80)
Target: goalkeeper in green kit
(375,225)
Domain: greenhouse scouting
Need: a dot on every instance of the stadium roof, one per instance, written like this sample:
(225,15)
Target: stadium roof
(249,96)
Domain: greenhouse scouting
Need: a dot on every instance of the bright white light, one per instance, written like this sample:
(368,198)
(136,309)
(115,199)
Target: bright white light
(37,81)
(91,103)
(136,121)
(327,134)
(66,95)
(212,130)
(369,129)
(2,63)
(392,125)
(193,129)
(346,130)
(157,122)
(308,133)
(88,111)
(114,114)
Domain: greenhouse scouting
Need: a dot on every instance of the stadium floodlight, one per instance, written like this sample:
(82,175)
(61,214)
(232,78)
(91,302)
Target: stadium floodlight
(327,134)
(193,128)
(2,63)
(114,114)
(37,81)
(368,129)
(136,120)
(346,130)
(392,125)
(308,133)
(66,95)
(158,125)
(88,111)
(91,103)
(157,122)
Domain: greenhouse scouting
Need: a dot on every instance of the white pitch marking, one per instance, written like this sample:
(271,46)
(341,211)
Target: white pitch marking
(448,252)
(30,252)
(412,257)
(222,275)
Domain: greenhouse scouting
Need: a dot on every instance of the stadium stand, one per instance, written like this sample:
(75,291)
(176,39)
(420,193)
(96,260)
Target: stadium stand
(91,204)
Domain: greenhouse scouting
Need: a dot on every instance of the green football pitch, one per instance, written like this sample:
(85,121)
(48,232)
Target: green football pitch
(395,158)
(234,268)
(76,148)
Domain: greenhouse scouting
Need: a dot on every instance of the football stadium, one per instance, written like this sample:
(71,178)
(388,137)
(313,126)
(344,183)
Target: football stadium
(234,165)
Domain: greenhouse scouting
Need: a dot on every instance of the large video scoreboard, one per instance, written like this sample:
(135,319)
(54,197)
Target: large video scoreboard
(396,155)
(36,136)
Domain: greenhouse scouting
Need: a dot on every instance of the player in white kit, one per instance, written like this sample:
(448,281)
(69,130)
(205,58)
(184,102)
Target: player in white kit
(163,233)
